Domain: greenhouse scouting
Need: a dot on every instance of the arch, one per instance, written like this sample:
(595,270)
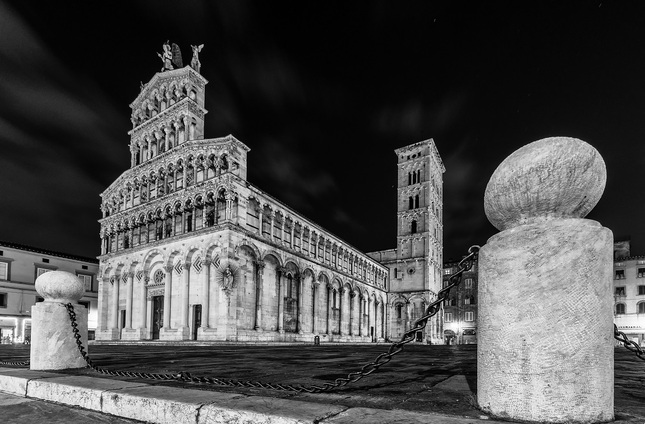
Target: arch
(172,257)
(210,250)
(273,256)
(323,277)
(149,258)
(252,248)
(193,252)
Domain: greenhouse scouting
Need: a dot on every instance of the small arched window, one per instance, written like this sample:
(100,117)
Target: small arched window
(399,311)
(413,227)
(409,178)
(620,309)
(416,201)
(410,203)
(641,308)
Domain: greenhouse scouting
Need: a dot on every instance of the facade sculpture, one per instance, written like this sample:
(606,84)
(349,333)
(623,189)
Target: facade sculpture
(190,250)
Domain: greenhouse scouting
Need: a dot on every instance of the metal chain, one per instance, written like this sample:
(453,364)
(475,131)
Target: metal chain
(629,344)
(464,265)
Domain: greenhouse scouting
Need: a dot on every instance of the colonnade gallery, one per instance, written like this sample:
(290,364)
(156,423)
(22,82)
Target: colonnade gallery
(190,250)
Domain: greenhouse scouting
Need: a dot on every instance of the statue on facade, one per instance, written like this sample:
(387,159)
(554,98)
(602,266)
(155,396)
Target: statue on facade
(166,57)
(176,56)
(195,63)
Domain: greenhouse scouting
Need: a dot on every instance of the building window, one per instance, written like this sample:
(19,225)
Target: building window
(641,308)
(413,227)
(620,309)
(159,276)
(45,260)
(396,273)
(3,300)
(620,274)
(86,304)
(620,291)
(86,280)
(470,316)
(416,201)
(641,273)
(41,271)
(447,271)
(84,266)
(447,316)
(4,270)
(641,290)
(468,283)
(399,311)
(410,203)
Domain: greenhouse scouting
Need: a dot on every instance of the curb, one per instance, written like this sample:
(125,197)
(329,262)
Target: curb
(161,404)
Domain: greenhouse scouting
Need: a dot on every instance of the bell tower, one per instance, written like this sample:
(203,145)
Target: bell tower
(419,218)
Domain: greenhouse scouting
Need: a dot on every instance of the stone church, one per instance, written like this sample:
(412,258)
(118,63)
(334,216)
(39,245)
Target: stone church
(191,250)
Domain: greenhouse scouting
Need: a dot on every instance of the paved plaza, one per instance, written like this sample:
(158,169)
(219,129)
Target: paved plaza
(422,378)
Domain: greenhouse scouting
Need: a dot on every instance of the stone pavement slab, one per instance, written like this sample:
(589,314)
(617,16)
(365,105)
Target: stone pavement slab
(21,410)
(420,385)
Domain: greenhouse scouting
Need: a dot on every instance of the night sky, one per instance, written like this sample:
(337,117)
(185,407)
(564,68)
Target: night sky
(322,92)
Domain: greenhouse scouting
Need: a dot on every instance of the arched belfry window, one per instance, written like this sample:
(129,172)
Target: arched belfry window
(413,227)
(416,201)
(409,178)
(410,203)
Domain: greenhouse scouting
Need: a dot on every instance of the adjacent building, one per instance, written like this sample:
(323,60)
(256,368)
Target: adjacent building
(460,310)
(20,265)
(629,292)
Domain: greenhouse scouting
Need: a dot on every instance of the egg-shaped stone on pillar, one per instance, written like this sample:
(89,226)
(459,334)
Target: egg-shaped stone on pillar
(545,325)
(53,346)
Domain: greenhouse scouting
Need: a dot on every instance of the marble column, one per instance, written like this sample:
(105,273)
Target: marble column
(314,300)
(144,306)
(206,290)
(115,302)
(166,297)
(360,315)
(352,296)
(299,279)
(341,294)
(185,276)
(330,291)
(259,272)
(279,272)
(128,300)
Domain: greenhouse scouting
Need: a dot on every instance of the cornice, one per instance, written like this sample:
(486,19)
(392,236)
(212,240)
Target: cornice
(172,75)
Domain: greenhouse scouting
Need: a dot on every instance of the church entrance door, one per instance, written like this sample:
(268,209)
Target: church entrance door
(197,320)
(157,316)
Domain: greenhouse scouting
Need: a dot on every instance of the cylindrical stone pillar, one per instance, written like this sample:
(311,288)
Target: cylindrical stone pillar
(53,346)
(545,349)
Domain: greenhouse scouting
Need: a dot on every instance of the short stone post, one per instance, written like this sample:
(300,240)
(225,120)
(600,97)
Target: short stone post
(53,346)
(545,326)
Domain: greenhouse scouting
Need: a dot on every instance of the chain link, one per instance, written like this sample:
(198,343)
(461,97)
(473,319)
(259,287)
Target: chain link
(464,265)
(629,344)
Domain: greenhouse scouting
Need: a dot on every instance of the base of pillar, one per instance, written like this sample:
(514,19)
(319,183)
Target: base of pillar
(108,334)
(134,334)
(208,334)
(181,333)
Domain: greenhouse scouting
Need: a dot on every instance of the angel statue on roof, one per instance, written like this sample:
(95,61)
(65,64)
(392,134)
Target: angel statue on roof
(166,57)
(195,63)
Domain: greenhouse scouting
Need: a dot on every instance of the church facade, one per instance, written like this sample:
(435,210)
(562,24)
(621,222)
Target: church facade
(191,250)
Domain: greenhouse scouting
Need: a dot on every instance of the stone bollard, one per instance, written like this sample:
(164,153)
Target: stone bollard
(53,346)
(545,327)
